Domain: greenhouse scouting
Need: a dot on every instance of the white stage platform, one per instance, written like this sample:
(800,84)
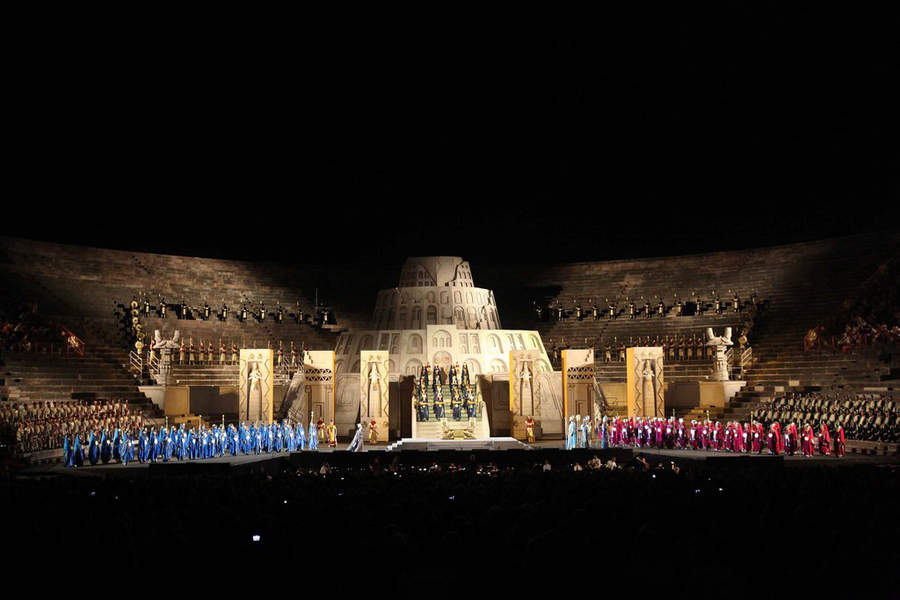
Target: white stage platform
(495,443)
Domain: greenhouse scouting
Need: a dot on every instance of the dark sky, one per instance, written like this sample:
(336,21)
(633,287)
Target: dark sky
(518,133)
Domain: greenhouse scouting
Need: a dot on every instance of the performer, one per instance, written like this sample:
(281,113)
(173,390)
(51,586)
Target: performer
(373,432)
(423,402)
(839,441)
(807,446)
(223,314)
(234,353)
(356,444)
(456,404)
(207,311)
(824,440)
(439,403)
(529,429)
(470,403)
(571,434)
(313,436)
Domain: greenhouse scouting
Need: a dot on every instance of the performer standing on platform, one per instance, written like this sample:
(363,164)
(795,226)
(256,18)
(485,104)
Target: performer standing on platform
(529,429)
(423,402)
(373,432)
(356,444)
(456,404)
(331,433)
(313,436)
(571,434)
(839,442)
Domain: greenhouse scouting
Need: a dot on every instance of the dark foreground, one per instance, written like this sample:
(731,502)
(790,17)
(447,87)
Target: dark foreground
(712,530)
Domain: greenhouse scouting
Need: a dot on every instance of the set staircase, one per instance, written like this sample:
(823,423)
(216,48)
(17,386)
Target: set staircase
(432,429)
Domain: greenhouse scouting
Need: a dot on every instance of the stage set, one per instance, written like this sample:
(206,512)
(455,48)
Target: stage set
(436,371)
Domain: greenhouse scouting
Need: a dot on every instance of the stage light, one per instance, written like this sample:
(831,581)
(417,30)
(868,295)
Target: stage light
(256,538)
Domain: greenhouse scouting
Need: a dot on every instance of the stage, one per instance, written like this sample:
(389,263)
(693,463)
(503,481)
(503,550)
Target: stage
(424,453)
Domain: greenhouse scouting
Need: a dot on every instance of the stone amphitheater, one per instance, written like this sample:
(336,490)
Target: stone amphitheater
(803,284)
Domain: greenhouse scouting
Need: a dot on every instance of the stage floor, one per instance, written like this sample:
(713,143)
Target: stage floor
(554,450)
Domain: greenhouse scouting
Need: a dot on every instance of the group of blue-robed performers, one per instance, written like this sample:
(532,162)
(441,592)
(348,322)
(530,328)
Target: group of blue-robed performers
(125,446)
(461,394)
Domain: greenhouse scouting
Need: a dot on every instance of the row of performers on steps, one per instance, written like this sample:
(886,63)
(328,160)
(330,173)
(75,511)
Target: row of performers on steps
(124,446)
(674,348)
(435,377)
(611,311)
(733,437)
(461,397)
(206,312)
(208,354)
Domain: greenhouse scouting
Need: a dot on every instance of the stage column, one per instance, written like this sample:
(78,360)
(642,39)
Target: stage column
(524,392)
(646,387)
(374,393)
(579,397)
(256,385)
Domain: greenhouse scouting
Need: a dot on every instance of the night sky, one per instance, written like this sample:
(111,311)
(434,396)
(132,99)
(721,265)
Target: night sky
(524,133)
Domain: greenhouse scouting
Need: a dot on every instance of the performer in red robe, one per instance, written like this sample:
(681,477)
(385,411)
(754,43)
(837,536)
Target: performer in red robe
(779,441)
(738,440)
(807,445)
(788,441)
(839,442)
(757,444)
(772,441)
(825,441)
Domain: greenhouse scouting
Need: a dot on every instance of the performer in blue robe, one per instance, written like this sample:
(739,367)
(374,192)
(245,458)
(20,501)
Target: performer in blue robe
(313,435)
(604,434)
(126,448)
(356,444)
(571,434)
(105,448)
(93,449)
(116,445)
(143,450)
(180,448)
(246,439)
(289,440)
(77,452)
(301,437)
(154,445)
(235,440)
(423,403)
(67,453)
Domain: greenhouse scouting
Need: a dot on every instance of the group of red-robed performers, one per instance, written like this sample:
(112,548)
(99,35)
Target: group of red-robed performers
(746,438)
